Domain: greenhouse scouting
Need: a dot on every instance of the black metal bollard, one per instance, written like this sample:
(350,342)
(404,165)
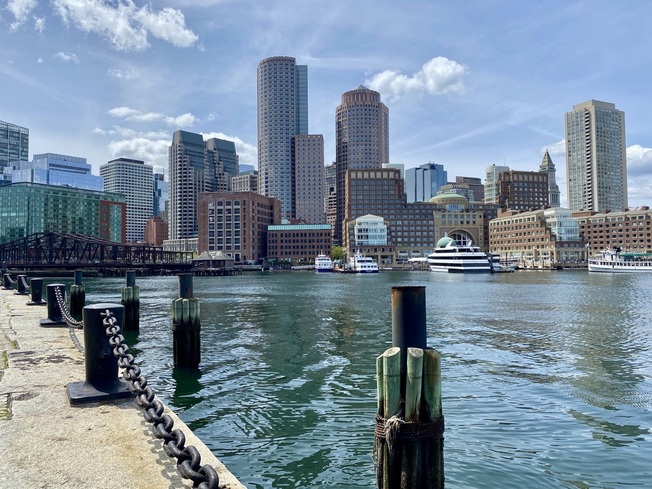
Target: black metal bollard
(77,297)
(186,325)
(408,321)
(7,282)
(55,316)
(21,285)
(36,291)
(101,366)
(131,301)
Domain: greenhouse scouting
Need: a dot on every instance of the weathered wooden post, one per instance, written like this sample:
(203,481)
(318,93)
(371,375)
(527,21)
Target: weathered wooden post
(77,297)
(186,325)
(55,316)
(36,292)
(409,424)
(131,301)
(101,366)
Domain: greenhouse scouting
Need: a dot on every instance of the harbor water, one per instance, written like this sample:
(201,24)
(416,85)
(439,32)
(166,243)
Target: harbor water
(546,376)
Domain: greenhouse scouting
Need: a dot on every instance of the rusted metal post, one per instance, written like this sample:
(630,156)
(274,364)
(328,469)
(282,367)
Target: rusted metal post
(131,301)
(186,325)
(101,366)
(36,292)
(21,285)
(77,297)
(55,316)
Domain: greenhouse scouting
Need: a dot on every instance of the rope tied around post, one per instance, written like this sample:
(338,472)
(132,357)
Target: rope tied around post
(65,313)
(188,458)
(395,428)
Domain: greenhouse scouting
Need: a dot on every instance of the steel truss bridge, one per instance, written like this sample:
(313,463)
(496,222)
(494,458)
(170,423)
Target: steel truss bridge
(72,251)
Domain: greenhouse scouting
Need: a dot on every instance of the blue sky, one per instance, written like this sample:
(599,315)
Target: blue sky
(468,84)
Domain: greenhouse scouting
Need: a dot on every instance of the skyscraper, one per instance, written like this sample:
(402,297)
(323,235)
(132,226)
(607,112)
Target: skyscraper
(282,114)
(56,169)
(547,166)
(135,180)
(491,185)
(362,141)
(423,182)
(309,180)
(14,147)
(194,166)
(596,161)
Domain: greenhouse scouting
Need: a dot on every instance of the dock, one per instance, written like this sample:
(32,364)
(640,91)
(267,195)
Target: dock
(49,443)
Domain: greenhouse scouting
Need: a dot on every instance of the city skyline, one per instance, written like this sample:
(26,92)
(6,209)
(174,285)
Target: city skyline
(467,85)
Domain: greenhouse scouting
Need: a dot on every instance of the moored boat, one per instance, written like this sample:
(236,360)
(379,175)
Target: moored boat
(360,263)
(323,263)
(499,266)
(449,256)
(616,261)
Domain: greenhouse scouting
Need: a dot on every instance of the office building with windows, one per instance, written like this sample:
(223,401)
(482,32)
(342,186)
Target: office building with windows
(161,195)
(135,180)
(309,180)
(522,190)
(28,208)
(491,185)
(14,146)
(56,169)
(362,142)
(596,159)
(423,182)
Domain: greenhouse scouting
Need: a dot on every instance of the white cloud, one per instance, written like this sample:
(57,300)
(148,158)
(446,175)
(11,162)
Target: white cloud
(39,24)
(125,113)
(122,74)
(152,152)
(124,25)
(438,76)
(639,160)
(247,153)
(39,60)
(20,9)
(67,57)
(556,150)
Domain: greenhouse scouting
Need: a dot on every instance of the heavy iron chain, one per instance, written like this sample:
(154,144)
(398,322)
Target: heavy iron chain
(11,280)
(24,282)
(188,458)
(65,313)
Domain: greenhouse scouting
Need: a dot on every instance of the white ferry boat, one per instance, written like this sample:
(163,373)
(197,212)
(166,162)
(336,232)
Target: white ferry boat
(448,256)
(617,261)
(323,263)
(359,263)
(499,266)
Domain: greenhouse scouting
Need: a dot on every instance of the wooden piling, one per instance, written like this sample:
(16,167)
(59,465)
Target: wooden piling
(131,302)
(186,325)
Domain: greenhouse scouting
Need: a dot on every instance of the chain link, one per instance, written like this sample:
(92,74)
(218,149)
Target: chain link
(23,281)
(174,441)
(65,313)
(11,280)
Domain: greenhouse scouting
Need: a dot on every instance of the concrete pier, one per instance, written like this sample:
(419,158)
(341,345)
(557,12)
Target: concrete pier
(48,443)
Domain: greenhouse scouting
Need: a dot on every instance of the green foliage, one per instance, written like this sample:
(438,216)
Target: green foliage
(337,253)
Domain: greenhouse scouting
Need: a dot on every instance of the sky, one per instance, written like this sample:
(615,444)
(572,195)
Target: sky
(468,84)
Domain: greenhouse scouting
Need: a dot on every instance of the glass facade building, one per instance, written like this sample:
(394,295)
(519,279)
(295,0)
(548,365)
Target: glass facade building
(28,208)
(423,182)
(14,147)
(56,169)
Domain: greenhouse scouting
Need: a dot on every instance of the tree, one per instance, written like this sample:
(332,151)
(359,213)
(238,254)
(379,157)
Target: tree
(337,253)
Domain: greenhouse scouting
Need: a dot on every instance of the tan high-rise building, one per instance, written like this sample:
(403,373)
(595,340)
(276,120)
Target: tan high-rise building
(309,179)
(362,141)
(596,160)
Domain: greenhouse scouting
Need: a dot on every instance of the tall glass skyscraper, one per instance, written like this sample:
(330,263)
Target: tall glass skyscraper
(423,182)
(14,147)
(596,160)
(362,141)
(282,115)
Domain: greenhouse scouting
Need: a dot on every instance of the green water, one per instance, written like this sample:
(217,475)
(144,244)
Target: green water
(547,380)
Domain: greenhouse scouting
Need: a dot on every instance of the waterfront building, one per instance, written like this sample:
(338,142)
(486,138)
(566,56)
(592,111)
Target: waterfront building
(14,146)
(156,231)
(282,116)
(309,180)
(182,244)
(236,223)
(161,195)
(57,169)
(454,216)
(28,208)
(596,160)
(245,181)
(330,193)
(540,238)
(522,190)
(475,185)
(491,185)
(298,242)
(362,142)
(547,166)
(423,182)
(194,166)
(135,180)
(628,229)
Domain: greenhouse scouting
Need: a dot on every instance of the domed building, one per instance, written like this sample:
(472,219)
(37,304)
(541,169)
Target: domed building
(456,219)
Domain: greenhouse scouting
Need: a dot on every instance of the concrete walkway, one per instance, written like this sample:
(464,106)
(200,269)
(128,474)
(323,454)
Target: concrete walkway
(46,443)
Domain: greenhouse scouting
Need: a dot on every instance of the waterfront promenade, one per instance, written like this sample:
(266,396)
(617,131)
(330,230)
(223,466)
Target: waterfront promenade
(48,443)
